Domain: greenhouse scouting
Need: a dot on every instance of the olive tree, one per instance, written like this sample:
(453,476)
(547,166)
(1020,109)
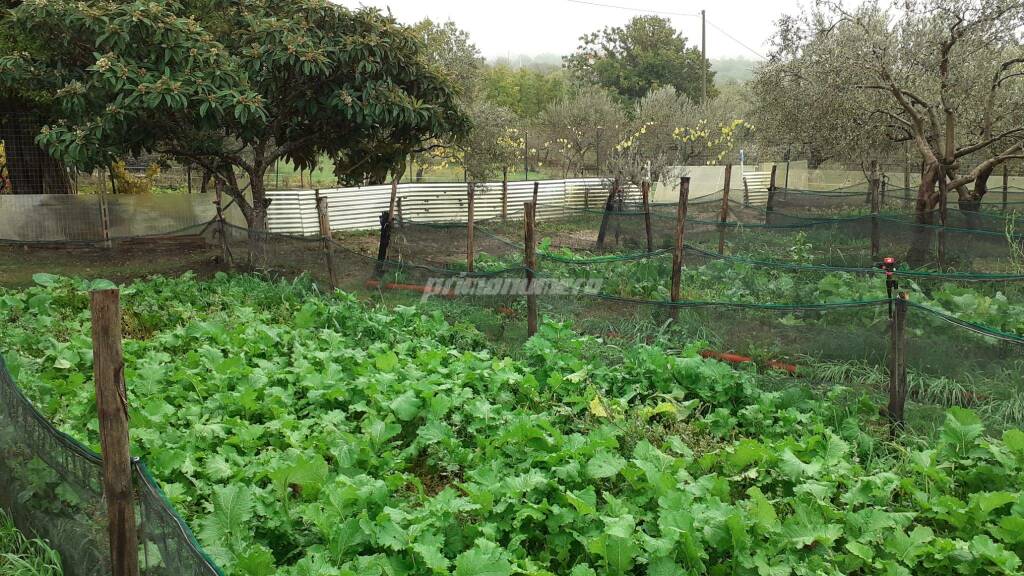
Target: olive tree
(575,126)
(944,75)
(232,86)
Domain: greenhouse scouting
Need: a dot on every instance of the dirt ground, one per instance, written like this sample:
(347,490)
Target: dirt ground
(120,262)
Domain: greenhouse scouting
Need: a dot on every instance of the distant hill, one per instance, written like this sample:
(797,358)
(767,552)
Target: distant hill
(542,62)
(726,69)
(737,69)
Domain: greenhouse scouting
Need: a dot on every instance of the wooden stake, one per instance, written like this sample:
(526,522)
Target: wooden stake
(609,205)
(399,219)
(770,206)
(504,194)
(536,190)
(723,216)
(678,254)
(112,408)
(385,240)
(325,234)
(645,191)
(898,365)
(470,193)
(1006,184)
(873,193)
(944,193)
(530,262)
(218,201)
(105,220)
(906,171)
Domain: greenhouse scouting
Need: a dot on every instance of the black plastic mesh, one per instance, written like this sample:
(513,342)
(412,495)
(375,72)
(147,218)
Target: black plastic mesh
(52,487)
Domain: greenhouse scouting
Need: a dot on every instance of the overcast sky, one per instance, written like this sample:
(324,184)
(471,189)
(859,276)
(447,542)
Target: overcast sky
(503,27)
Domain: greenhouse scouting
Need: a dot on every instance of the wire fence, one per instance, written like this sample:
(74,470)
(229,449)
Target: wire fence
(793,290)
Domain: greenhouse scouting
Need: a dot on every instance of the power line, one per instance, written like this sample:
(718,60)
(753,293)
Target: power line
(632,9)
(736,40)
(664,13)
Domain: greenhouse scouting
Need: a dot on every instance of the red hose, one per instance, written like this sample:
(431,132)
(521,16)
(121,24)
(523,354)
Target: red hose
(411,287)
(737,359)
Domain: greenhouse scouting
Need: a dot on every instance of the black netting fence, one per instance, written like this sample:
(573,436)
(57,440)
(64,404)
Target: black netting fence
(793,292)
(52,487)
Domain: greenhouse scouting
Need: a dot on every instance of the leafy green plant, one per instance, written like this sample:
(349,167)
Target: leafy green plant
(303,433)
(21,556)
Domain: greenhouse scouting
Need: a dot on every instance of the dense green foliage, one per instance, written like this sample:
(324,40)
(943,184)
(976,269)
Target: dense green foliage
(20,556)
(645,53)
(231,86)
(314,435)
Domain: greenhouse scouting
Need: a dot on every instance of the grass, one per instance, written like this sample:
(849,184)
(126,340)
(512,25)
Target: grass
(21,556)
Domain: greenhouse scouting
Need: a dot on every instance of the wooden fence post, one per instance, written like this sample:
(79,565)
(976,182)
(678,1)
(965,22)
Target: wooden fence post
(1006,184)
(218,201)
(399,219)
(504,194)
(385,240)
(470,194)
(112,408)
(678,254)
(609,205)
(873,192)
(645,191)
(944,193)
(325,234)
(105,221)
(536,190)
(530,261)
(906,171)
(898,365)
(723,216)
(770,205)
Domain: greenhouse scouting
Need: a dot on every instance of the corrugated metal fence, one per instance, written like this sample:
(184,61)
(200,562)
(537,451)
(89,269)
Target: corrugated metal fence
(294,212)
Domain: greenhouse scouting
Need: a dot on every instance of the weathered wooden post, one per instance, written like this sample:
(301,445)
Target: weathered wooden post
(325,235)
(536,190)
(504,194)
(470,194)
(906,171)
(645,191)
(944,193)
(218,201)
(530,262)
(873,193)
(609,205)
(723,216)
(898,365)
(385,240)
(770,205)
(112,408)
(399,219)
(678,254)
(1006,184)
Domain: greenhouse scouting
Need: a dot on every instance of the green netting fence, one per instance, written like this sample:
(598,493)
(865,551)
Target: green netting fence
(792,292)
(52,487)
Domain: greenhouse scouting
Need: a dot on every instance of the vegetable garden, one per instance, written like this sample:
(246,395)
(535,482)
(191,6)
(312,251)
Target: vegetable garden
(388,428)
(304,433)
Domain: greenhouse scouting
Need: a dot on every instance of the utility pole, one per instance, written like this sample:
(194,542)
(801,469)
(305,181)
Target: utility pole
(704,60)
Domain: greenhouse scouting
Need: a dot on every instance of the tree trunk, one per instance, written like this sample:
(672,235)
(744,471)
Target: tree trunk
(256,219)
(927,201)
(31,169)
(970,205)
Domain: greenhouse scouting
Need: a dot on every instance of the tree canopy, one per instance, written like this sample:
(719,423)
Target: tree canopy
(644,54)
(944,75)
(234,90)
